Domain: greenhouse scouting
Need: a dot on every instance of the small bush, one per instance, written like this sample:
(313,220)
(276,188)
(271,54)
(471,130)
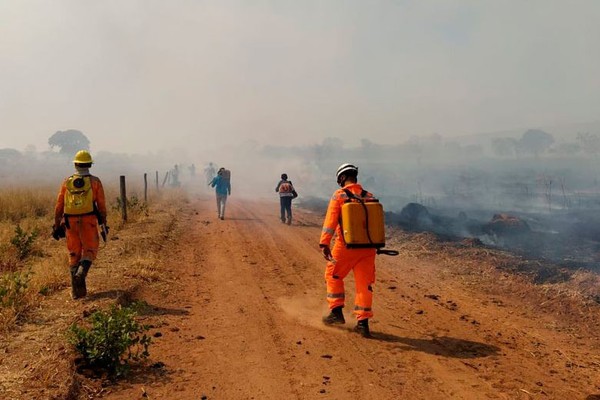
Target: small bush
(134,205)
(113,340)
(23,241)
(13,287)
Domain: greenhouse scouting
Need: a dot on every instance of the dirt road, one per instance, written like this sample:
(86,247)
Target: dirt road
(244,322)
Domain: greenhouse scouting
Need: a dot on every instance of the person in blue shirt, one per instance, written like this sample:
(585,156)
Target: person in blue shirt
(222,185)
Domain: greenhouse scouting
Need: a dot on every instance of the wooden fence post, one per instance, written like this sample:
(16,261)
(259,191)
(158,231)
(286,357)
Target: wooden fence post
(145,187)
(123,199)
(157,181)
(165,180)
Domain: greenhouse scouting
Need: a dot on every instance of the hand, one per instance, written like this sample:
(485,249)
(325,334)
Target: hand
(58,232)
(55,233)
(326,251)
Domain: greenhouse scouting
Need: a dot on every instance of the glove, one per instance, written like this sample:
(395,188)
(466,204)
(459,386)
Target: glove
(326,251)
(58,232)
(55,233)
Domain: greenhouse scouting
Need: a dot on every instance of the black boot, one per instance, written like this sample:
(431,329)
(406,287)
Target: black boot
(80,275)
(362,327)
(74,282)
(335,317)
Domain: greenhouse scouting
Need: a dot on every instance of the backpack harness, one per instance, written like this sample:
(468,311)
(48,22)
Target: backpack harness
(362,200)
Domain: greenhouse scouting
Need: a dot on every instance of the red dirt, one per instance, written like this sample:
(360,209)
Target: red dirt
(243,321)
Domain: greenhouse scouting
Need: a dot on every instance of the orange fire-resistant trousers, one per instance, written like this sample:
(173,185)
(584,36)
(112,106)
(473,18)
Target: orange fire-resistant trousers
(362,263)
(82,238)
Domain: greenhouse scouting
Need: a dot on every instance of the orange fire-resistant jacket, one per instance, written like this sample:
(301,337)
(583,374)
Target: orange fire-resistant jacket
(331,224)
(82,230)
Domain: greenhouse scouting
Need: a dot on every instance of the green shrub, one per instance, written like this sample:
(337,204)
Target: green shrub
(23,241)
(113,340)
(13,286)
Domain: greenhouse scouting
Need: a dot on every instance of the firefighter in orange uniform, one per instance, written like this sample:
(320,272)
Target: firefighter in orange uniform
(341,260)
(80,208)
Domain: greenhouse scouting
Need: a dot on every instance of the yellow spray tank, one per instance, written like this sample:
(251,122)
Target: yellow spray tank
(363,224)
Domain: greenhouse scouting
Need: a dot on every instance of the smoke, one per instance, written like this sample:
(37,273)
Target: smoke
(141,76)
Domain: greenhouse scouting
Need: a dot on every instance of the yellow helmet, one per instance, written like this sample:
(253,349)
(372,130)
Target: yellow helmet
(83,157)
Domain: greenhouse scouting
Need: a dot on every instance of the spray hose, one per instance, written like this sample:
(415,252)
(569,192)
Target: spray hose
(388,252)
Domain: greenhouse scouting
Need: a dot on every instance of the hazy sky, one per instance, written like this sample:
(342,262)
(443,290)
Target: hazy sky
(138,76)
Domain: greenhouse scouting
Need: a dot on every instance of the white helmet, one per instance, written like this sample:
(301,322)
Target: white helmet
(345,168)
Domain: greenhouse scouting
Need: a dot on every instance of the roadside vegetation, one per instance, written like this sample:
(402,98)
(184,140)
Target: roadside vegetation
(111,340)
(104,332)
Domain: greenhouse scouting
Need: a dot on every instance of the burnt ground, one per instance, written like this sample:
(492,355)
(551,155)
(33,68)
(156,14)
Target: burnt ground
(550,249)
(568,239)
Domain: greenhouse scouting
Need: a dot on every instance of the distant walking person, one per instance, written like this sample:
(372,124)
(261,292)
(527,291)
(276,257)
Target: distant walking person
(286,191)
(82,204)
(222,185)
(209,172)
(175,176)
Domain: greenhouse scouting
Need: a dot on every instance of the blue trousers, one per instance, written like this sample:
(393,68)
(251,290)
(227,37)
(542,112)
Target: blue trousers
(286,207)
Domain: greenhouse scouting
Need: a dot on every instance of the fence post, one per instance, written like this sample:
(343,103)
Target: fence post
(123,199)
(145,187)
(165,180)
(157,181)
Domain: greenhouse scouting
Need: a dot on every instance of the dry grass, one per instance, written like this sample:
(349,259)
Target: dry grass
(50,275)
(31,210)
(17,204)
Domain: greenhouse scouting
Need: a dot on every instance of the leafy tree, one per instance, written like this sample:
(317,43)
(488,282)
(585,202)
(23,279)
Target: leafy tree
(535,141)
(69,142)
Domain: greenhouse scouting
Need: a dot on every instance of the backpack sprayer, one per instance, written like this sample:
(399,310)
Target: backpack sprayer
(363,223)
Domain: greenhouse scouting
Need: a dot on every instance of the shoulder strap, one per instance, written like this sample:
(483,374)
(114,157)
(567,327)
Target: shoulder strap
(355,197)
(351,195)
